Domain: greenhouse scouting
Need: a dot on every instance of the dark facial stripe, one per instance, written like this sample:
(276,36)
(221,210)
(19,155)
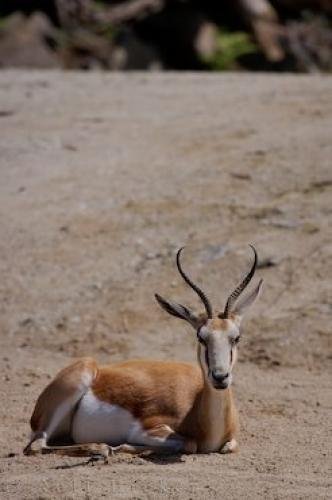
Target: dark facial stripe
(207,359)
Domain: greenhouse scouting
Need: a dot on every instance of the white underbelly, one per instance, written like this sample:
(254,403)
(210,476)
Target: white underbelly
(97,421)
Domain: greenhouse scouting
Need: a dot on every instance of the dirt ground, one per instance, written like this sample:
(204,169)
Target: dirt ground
(103,177)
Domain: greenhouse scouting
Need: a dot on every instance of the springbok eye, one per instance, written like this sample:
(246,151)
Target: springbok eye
(235,340)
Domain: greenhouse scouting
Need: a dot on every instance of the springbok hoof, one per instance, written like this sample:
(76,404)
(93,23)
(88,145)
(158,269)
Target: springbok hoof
(229,447)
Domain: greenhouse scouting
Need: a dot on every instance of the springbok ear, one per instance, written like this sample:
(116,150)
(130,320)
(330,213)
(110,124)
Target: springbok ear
(179,311)
(246,302)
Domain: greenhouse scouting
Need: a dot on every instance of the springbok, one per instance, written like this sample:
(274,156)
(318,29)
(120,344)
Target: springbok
(140,405)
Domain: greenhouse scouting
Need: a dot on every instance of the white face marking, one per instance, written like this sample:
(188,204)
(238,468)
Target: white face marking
(218,353)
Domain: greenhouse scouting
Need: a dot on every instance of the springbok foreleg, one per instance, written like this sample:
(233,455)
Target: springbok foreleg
(159,439)
(229,447)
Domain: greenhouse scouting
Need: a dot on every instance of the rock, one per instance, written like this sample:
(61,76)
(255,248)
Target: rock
(131,53)
(206,40)
(23,42)
(26,322)
(310,227)
(241,175)
(6,112)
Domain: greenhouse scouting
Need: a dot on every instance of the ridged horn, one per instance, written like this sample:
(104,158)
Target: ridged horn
(192,285)
(239,289)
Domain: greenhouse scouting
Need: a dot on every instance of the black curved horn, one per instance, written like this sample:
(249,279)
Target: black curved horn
(192,285)
(239,289)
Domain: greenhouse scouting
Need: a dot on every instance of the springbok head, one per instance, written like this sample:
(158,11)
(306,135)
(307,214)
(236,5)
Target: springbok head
(218,333)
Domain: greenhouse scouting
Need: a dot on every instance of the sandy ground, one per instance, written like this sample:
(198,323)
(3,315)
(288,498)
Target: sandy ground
(103,177)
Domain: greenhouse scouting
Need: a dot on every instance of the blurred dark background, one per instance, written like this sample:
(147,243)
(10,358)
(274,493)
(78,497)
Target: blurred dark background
(254,35)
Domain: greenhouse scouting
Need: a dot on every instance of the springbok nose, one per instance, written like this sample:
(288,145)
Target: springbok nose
(219,376)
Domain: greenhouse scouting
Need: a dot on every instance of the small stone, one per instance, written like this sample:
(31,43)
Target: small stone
(310,228)
(70,147)
(6,112)
(26,322)
(241,176)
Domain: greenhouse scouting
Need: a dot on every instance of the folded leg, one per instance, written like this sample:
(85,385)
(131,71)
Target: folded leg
(93,450)
(160,439)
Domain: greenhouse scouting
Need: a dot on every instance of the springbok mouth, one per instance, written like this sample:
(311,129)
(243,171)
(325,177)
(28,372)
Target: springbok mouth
(221,386)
